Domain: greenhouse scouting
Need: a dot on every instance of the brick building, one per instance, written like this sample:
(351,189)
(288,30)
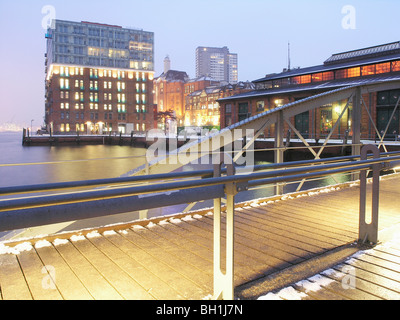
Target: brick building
(99,78)
(369,65)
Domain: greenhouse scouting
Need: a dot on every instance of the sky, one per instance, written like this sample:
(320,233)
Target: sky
(257,30)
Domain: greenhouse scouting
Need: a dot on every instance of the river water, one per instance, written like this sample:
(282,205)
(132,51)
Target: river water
(24,165)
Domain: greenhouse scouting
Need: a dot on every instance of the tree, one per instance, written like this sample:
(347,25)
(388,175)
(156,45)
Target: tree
(164,117)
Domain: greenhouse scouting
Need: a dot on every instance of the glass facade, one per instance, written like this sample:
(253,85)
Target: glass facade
(92,44)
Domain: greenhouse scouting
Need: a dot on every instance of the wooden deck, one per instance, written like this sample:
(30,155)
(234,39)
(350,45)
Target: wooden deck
(282,247)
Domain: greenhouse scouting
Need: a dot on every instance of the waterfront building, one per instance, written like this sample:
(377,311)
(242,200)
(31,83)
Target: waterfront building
(99,78)
(367,65)
(202,108)
(217,63)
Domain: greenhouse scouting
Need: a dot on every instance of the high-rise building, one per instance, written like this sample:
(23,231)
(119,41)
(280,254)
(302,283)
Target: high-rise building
(217,63)
(99,78)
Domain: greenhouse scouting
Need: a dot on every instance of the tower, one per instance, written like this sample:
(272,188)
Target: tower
(167,64)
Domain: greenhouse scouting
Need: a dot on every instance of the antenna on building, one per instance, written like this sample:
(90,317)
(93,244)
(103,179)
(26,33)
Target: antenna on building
(288,56)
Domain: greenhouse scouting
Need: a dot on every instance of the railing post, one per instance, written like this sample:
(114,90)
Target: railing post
(223,281)
(279,146)
(369,231)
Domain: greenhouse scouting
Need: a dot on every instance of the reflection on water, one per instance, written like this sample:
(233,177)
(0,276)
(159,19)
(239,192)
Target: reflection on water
(49,164)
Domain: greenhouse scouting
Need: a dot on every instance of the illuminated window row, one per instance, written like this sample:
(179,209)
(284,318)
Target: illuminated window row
(374,69)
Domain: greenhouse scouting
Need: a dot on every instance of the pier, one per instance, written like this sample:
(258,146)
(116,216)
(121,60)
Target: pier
(279,242)
(276,247)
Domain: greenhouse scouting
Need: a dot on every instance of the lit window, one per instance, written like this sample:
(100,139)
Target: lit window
(105,84)
(353,72)
(61,94)
(76,96)
(395,66)
(62,84)
(316,77)
(67,127)
(77,106)
(67,105)
(66,84)
(62,127)
(368,70)
(383,68)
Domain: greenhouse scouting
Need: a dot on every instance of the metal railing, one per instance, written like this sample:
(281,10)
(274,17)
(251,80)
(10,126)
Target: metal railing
(78,200)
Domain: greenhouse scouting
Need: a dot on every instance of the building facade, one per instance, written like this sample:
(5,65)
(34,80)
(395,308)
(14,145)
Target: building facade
(99,78)
(202,108)
(217,63)
(368,65)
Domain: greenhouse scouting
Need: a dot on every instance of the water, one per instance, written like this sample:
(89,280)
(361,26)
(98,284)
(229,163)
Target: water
(22,165)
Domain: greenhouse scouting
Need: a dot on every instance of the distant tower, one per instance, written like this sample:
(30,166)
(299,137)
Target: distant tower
(167,64)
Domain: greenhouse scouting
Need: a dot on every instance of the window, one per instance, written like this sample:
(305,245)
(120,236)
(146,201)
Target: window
(326,119)
(260,106)
(340,74)
(353,72)
(383,67)
(228,108)
(243,111)
(368,70)
(316,77)
(329,75)
(395,66)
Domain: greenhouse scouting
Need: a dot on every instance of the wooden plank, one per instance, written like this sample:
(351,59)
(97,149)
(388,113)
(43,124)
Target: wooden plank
(39,280)
(249,263)
(12,281)
(93,281)
(160,253)
(191,265)
(126,287)
(70,287)
(156,288)
(262,222)
(173,290)
(201,239)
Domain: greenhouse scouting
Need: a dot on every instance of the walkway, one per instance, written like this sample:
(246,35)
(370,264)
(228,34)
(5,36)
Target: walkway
(278,244)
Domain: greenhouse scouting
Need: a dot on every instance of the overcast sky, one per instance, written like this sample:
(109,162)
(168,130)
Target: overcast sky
(257,30)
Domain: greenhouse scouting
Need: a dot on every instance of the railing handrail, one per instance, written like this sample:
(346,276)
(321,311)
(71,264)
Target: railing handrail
(255,178)
(174,175)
